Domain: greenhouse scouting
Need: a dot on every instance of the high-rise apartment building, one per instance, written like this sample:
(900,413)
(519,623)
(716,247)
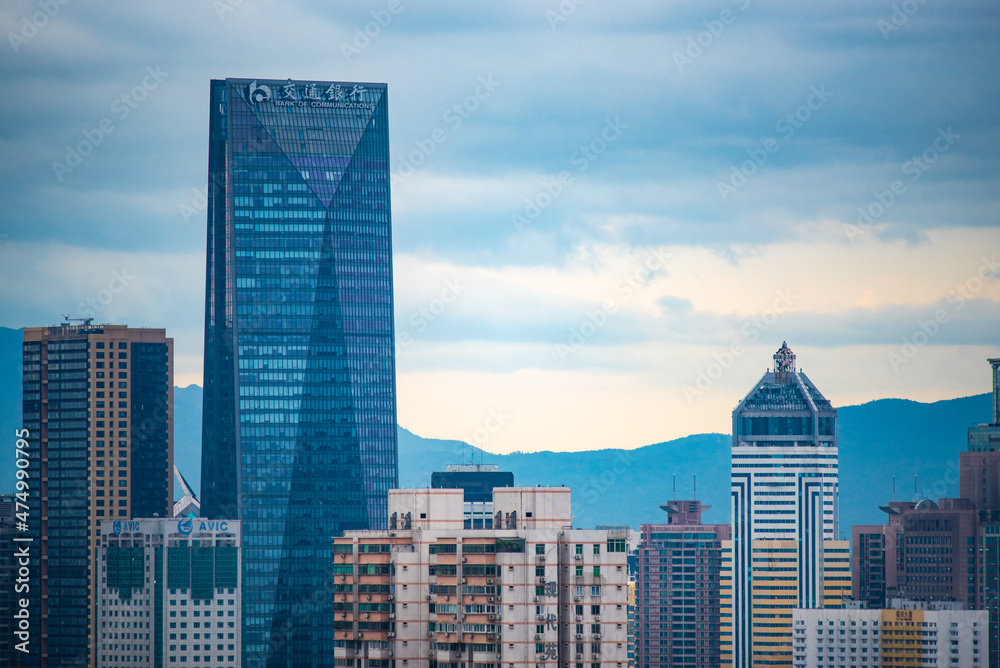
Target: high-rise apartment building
(169,593)
(98,406)
(979,482)
(939,552)
(632,622)
(877,557)
(903,635)
(678,589)
(532,591)
(989,577)
(299,419)
(785,492)
(8,575)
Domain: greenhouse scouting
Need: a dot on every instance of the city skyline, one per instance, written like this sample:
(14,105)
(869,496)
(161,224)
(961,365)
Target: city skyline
(604,220)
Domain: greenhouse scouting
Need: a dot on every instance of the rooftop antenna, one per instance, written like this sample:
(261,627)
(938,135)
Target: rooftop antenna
(893,488)
(675,487)
(695,486)
(914,487)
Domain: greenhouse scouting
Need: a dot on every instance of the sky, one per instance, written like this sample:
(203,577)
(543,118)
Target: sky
(606,216)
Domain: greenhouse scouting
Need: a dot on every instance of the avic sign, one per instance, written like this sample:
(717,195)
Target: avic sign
(187,525)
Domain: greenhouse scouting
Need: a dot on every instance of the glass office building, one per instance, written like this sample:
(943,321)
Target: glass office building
(299,422)
(98,409)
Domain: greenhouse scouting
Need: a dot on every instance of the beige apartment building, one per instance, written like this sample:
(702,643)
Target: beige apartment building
(530,591)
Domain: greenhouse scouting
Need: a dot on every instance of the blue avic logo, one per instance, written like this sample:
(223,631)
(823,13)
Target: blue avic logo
(185,526)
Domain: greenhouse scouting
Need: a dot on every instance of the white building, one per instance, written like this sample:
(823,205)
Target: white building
(785,488)
(169,593)
(910,636)
(531,591)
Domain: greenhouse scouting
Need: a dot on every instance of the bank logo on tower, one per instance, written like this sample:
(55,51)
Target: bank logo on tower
(185,526)
(258,94)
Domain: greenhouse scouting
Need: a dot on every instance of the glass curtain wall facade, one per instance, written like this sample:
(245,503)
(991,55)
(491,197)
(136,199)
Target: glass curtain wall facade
(299,421)
(98,405)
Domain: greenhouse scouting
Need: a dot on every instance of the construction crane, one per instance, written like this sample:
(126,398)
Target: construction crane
(86,321)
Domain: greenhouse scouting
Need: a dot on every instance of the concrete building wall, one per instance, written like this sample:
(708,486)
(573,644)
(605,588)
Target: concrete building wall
(519,596)
(154,609)
(890,637)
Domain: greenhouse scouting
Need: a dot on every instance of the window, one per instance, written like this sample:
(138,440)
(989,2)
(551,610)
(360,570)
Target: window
(597,548)
(540,548)
(579,549)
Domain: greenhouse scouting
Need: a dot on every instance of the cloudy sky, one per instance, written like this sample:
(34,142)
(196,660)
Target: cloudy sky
(607,216)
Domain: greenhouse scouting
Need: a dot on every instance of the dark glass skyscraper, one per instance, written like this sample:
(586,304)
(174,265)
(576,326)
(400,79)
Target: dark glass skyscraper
(98,412)
(299,432)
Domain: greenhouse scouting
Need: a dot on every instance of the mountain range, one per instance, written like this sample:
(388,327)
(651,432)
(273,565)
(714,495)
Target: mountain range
(918,443)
